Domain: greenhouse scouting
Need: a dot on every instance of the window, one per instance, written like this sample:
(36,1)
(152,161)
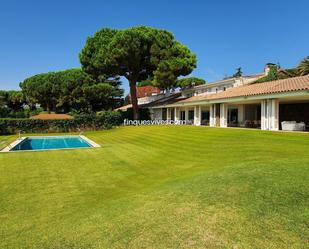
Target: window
(232,116)
(205,118)
(182,115)
(173,114)
(164,114)
(191,114)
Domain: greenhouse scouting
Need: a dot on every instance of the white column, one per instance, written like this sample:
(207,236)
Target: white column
(270,114)
(223,115)
(212,115)
(176,111)
(197,115)
(263,115)
(186,114)
(168,113)
(274,114)
(151,113)
(241,115)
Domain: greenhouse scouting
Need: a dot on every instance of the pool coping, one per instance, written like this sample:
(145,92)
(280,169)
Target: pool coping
(92,143)
(13,144)
(19,140)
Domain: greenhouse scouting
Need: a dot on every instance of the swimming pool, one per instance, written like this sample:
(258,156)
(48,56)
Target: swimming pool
(51,143)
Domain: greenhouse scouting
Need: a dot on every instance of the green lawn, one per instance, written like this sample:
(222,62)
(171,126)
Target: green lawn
(160,187)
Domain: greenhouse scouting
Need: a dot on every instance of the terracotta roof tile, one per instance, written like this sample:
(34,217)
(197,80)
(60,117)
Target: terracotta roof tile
(146,91)
(278,86)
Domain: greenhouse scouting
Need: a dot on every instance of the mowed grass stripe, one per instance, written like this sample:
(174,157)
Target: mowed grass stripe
(160,187)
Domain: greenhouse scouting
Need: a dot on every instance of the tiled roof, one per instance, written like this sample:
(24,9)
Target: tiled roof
(278,86)
(172,98)
(145,91)
(51,116)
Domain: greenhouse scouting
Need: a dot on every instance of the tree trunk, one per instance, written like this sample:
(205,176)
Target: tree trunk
(134,99)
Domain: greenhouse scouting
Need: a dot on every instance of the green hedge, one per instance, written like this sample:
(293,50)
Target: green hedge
(103,120)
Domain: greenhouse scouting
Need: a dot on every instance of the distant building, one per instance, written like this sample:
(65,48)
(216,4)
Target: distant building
(145,95)
(46,116)
(147,91)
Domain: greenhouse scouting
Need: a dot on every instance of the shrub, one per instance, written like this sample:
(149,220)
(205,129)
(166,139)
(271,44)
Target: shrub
(104,120)
(272,75)
(6,112)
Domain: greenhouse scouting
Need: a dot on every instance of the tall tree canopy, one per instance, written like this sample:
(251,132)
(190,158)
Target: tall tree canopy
(303,67)
(11,103)
(147,82)
(189,82)
(71,89)
(13,100)
(42,89)
(137,53)
(272,74)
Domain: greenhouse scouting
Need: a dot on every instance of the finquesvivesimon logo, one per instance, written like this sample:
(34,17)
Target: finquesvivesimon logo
(155,122)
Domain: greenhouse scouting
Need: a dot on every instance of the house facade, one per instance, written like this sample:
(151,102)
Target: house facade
(145,95)
(240,102)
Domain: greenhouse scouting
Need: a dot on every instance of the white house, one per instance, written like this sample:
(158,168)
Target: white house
(239,102)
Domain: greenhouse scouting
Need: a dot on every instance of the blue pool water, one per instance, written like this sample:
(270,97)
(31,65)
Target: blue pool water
(50,143)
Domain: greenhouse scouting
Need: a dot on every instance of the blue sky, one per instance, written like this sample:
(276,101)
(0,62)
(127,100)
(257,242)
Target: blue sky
(42,36)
